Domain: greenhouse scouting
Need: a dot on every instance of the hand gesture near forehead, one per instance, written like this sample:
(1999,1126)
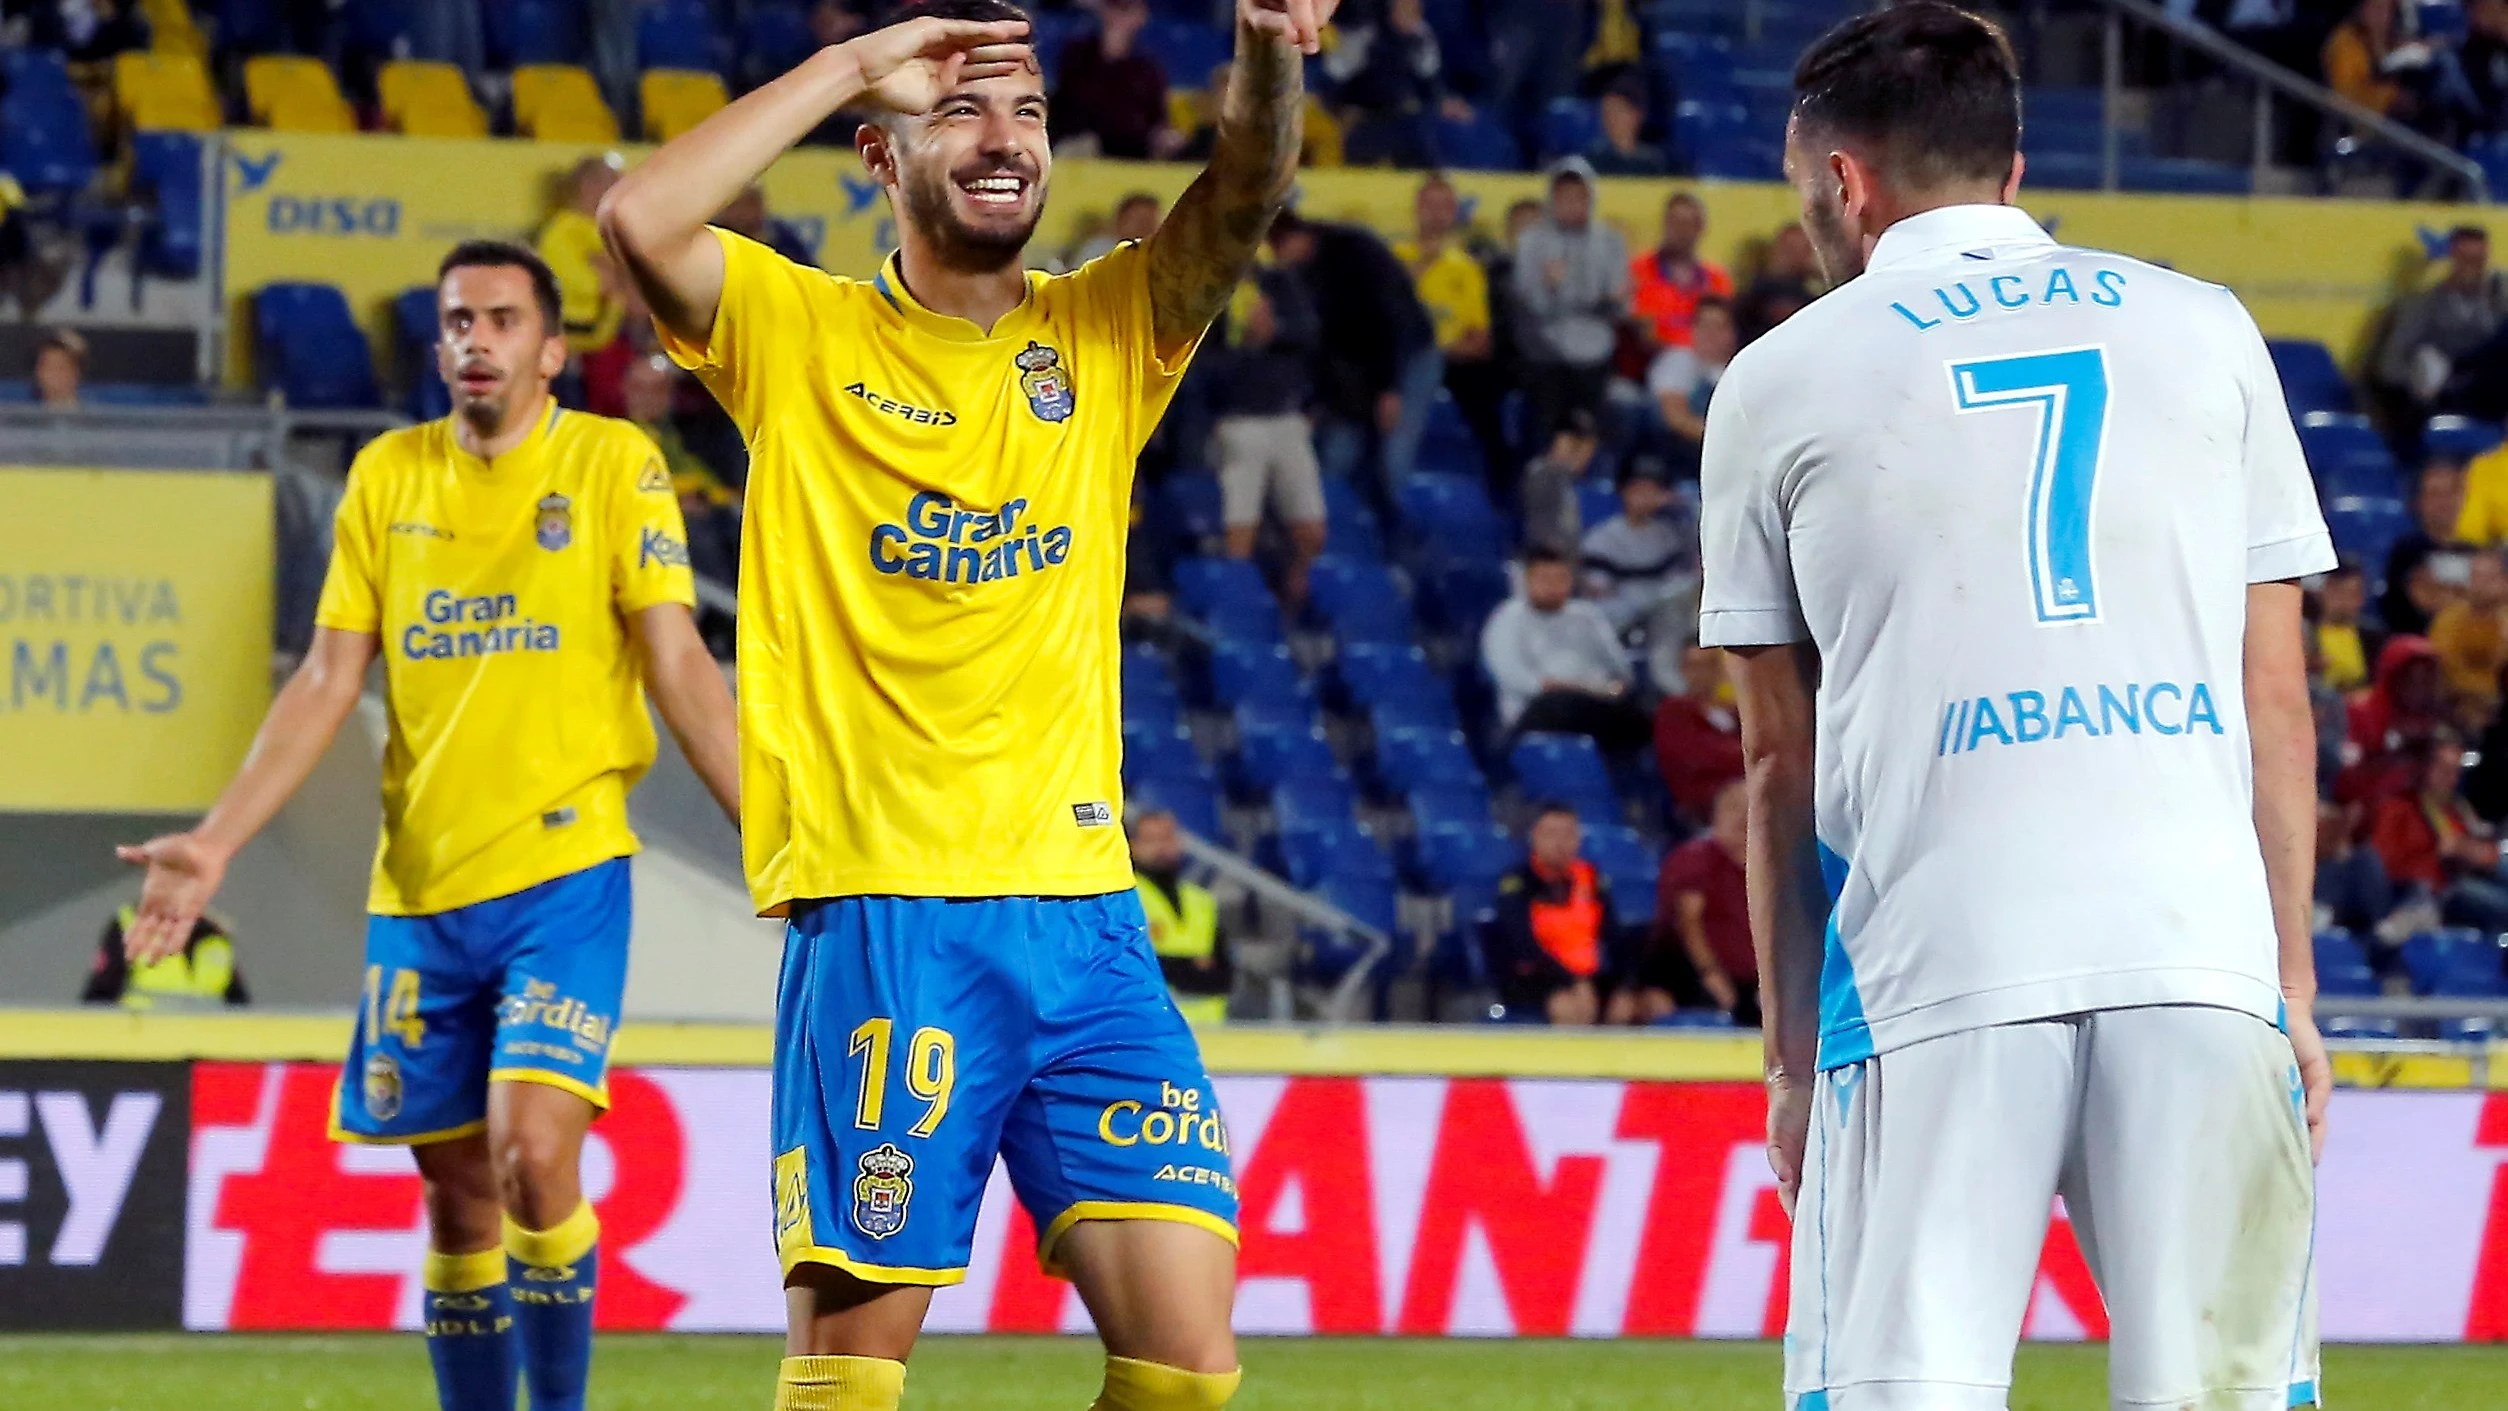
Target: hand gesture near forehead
(910,66)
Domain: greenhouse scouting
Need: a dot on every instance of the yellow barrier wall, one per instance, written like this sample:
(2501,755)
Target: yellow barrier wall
(134,633)
(373,214)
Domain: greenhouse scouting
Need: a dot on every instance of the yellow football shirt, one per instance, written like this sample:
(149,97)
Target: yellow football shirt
(931,571)
(570,244)
(1453,288)
(498,590)
(2484,518)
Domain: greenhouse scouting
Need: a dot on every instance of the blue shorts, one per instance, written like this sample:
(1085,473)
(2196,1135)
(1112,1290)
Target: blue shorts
(916,1039)
(521,988)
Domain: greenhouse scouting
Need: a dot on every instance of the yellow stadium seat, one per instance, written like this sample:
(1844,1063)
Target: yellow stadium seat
(676,100)
(165,89)
(170,23)
(558,103)
(430,100)
(295,94)
(1323,134)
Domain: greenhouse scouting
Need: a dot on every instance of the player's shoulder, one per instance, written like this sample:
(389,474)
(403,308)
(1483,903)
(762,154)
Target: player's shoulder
(2178,293)
(1776,362)
(610,451)
(1123,270)
(400,453)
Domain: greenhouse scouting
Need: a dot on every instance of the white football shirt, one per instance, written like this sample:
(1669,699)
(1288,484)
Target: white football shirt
(2015,493)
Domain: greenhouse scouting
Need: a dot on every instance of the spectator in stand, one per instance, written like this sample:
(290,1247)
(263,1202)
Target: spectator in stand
(2354,60)
(1392,85)
(1698,736)
(1136,217)
(1682,378)
(1667,282)
(1111,100)
(2483,518)
(1558,663)
(1621,149)
(650,390)
(1377,350)
(1701,934)
(594,297)
(749,216)
(2436,327)
(2438,499)
(2430,839)
(2405,705)
(1536,48)
(1183,920)
(1552,940)
(1262,380)
(60,368)
(2344,642)
(1788,280)
(1571,280)
(2352,889)
(2470,636)
(1553,519)
(2483,60)
(1640,566)
(1454,290)
(202,973)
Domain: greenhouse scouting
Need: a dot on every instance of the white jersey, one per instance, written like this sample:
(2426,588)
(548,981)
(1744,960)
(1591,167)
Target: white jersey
(2015,493)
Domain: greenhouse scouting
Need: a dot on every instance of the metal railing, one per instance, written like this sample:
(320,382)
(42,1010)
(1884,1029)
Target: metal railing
(1342,1007)
(239,437)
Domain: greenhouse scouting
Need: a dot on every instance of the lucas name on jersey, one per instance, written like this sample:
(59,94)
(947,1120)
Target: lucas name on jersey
(2028,717)
(472,625)
(942,543)
(1957,302)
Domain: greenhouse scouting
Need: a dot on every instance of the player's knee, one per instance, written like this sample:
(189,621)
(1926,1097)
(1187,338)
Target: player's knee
(1134,1385)
(534,1166)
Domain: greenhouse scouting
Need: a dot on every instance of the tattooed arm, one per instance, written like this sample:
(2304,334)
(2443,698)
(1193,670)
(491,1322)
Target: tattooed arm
(1209,239)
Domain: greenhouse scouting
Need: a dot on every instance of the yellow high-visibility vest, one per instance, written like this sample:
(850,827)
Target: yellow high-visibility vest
(1189,932)
(202,970)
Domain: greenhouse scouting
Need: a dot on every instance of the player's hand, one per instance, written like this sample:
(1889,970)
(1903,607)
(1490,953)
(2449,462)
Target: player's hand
(1789,1128)
(183,874)
(1719,987)
(1297,22)
(2316,1075)
(910,67)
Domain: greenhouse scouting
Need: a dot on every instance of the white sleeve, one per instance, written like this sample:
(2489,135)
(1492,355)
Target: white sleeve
(2286,535)
(1748,598)
(1674,373)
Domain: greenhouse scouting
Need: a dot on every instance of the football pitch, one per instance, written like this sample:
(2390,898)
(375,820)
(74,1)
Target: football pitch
(366,1372)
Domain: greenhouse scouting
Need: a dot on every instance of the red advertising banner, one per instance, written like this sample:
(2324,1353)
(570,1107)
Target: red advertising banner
(1491,1207)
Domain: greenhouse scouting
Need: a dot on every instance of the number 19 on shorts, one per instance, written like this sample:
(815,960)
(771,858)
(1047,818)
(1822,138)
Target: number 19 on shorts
(931,1071)
(2066,391)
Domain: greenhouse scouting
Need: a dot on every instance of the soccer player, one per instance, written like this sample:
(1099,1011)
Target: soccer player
(2003,537)
(941,463)
(523,574)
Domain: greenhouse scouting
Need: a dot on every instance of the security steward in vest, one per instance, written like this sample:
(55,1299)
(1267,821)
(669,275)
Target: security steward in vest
(1183,920)
(202,972)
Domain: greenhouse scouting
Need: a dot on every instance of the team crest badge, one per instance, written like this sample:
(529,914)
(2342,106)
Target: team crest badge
(383,1087)
(881,1189)
(1047,383)
(556,522)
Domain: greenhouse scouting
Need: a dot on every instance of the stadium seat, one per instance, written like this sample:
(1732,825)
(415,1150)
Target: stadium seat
(676,34)
(1620,851)
(1460,594)
(1351,529)
(1568,127)
(2347,457)
(675,100)
(1371,901)
(1149,685)
(291,93)
(1313,802)
(1433,710)
(2462,437)
(2474,1030)
(1274,747)
(524,33)
(1389,674)
(773,38)
(1312,855)
(1454,805)
(2366,526)
(1421,758)
(2346,1027)
(1257,673)
(2432,956)
(1189,503)
(166,167)
(1230,597)
(2184,176)
(1481,143)
(1449,517)
(310,348)
(1567,768)
(2356,981)
(1451,856)
(429,100)
(2311,380)
(1446,443)
(1168,753)
(1694,1019)
(165,90)
(44,141)
(560,103)
(1191,799)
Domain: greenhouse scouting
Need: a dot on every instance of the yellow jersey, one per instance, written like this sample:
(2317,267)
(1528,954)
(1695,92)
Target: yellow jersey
(931,571)
(499,591)
(1452,287)
(2484,518)
(570,245)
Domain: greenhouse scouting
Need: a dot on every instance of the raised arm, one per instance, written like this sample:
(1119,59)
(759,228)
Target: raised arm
(1208,241)
(655,218)
(2283,732)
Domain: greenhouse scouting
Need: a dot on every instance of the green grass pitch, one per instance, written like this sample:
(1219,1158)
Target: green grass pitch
(655,1373)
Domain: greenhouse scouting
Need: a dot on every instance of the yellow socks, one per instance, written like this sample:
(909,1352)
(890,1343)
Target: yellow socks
(839,1384)
(1133,1385)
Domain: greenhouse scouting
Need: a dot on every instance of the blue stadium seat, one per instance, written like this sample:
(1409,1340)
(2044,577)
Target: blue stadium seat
(1372,901)
(1596,501)
(1152,751)
(2366,527)
(1568,127)
(1414,758)
(1315,802)
(309,347)
(2339,947)
(1481,144)
(1257,673)
(1372,619)
(774,37)
(2468,1031)
(1446,445)
(1371,674)
(2347,457)
(1186,49)
(1449,517)
(1460,594)
(676,34)
(1190,502)
(2347,981)
(253,26)
(1193,801)
(1311,855)
(1453,855)
(1274,747)
(1229,595)
(1564,767)
(534,32)
(414,334)
(166,166)
(36,72)
(1427,712)
(1448,805)
(2311,380)
(1351,529)
(1620,851)
(1335,582)
(1147,675)
(1694,1019)
(2463,437)
(2347,1027)
(44,141)
(2434,957)
(2184,176)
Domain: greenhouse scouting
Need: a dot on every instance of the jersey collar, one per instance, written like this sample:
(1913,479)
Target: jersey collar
(892,286)
(1928,237)
(525,451)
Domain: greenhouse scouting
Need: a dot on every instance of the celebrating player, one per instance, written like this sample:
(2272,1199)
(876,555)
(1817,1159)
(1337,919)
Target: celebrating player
(2003,535)
(941,460)
(524,574)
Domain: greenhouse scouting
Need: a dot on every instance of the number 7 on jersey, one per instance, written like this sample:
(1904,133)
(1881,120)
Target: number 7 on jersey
(2067,390)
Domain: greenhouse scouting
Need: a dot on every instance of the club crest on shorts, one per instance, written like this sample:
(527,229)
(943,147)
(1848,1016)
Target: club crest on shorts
(1047,383)
(556,522)
(382,1087)
(881,1189)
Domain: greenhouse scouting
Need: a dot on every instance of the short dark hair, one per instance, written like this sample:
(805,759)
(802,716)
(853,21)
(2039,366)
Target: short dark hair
(980,11)
(2468,232)
(1685,198)
(505,254)
(1931,89)
(1547,807)
(1136,198)
(1539,554)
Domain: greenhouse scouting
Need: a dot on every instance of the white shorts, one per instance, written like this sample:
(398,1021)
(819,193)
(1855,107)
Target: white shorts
(2175,1136)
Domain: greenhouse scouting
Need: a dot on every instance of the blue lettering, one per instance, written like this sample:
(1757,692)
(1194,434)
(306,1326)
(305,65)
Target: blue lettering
(1010,517)
(1959,727)
(2070,712)
(104,678)
(27,677)
(1922,324)
(155,663)
(1956,311)
(163,607)
(883,555)
(1058,543)
(2151,706)
(2199,708)
(928,514)
(1997,284)
(1942,741)
(924,560)
(657,547)
(2110,708)
(1987,723)
(2061,282)
(2111,289)
(2029,710)
(965,565)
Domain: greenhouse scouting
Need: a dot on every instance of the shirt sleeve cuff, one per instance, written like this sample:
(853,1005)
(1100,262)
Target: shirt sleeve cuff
(339,621)
(2285,559)
(1751,627)
(691,354)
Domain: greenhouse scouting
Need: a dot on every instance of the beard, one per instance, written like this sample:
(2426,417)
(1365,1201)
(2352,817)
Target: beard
(1838,252)
(962,247)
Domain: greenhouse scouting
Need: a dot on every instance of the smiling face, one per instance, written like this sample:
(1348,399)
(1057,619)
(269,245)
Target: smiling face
(495,350)
(968,178)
